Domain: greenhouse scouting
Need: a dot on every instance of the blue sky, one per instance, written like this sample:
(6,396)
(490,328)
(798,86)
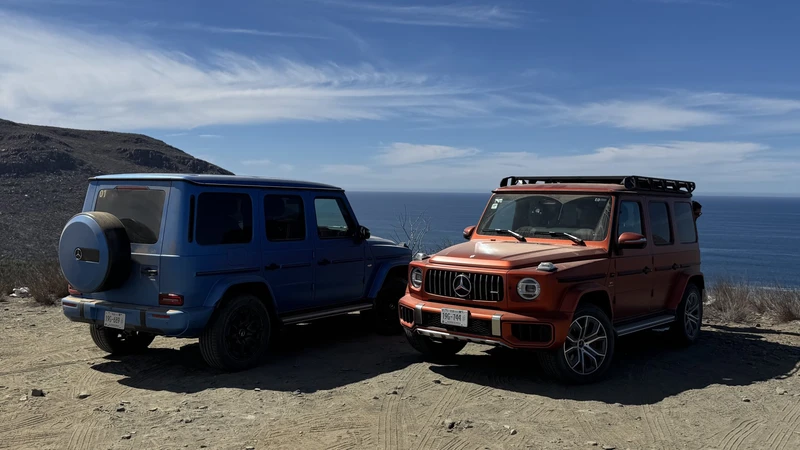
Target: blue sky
(425,95)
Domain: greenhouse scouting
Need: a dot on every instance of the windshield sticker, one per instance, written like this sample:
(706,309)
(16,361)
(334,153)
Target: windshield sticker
(494,205)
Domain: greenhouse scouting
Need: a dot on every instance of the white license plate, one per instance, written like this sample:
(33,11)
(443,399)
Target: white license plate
(114,320)
(456,317)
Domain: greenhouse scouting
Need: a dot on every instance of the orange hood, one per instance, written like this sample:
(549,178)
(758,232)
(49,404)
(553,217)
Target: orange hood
(512,254)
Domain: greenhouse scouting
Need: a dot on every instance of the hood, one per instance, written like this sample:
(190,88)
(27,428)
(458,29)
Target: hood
(385,248)
(512,254)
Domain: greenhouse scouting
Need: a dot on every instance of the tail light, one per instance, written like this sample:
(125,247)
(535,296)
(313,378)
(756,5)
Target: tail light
(170,299)
(73,291)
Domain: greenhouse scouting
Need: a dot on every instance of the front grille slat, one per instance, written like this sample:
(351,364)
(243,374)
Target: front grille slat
(485,287)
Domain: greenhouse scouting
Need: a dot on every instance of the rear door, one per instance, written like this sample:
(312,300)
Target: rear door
(141,206)
(664,250)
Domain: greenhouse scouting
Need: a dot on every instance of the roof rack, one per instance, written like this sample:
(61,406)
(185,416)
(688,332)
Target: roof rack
(633,182)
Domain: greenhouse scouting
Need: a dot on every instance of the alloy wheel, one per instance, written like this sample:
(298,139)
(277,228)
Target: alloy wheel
(691,316)
(586,346)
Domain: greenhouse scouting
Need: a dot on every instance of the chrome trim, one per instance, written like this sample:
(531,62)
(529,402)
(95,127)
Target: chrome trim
(326,313)
(644,325)
(454,337)
(497,330)
(418,313)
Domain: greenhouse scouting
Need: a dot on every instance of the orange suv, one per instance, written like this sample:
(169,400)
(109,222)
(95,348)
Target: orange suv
(563,265)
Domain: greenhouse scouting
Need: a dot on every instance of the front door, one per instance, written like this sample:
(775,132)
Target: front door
(633,283)
(339,255)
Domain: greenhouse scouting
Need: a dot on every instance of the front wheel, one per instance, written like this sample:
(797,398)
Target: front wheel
(237,337)
(119,342)
(431,349)
(385,315)
(586,354)
(688,317)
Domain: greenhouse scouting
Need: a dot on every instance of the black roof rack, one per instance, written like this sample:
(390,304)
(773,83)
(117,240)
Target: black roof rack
(632,182)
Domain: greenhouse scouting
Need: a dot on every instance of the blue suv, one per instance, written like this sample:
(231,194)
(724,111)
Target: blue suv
(226,259)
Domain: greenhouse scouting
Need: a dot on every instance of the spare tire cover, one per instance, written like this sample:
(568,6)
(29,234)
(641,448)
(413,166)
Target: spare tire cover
(94,252)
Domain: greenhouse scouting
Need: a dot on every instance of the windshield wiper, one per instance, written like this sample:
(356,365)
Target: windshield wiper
(518,236)
(571,237)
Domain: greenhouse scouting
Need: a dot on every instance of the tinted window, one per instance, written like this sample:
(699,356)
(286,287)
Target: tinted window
(224,218)
(630,218)
(659,223)
(332,218)
(139,211)
(284,218)
(684,222)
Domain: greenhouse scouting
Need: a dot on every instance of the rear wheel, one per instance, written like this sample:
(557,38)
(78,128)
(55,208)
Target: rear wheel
(119,342)
(688,317)
(237,337)
(436,350)
(586,354)
(385,315)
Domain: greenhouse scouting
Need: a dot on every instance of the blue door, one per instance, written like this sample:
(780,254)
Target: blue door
(287,251)
(338,253)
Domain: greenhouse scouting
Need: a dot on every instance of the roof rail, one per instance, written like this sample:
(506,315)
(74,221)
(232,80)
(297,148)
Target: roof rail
(633,182)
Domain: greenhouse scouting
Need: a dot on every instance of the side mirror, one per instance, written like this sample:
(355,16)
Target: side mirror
(631,240)
(363,233)
(468,232)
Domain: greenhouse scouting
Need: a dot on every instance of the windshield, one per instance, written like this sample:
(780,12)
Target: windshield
(546,216)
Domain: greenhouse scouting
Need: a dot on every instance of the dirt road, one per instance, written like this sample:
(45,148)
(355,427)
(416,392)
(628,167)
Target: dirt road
(330,385)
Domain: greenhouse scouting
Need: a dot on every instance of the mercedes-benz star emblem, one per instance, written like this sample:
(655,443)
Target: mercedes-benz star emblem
(462,286)
(78,254)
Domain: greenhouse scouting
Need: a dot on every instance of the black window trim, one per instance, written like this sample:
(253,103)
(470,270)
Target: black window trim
(669,222)
(252,217)
(302,212)
(191,217)
(348,218)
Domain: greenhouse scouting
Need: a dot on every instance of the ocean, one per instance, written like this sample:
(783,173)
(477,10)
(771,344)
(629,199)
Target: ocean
(756,240)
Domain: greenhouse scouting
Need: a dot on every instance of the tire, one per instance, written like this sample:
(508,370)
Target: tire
(580,360)
(434,350)
(237,336)
(118,342)
(688,317)
(385,315)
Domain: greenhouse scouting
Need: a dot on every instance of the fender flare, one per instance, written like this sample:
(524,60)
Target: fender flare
(569,302)
(679,287)
(217,292)
(380,276)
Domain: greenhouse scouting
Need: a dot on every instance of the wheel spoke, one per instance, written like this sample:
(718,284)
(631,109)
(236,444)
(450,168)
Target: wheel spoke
(594,360)
(594,353)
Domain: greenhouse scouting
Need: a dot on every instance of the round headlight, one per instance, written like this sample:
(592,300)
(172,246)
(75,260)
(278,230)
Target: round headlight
(416,277)
(528,288)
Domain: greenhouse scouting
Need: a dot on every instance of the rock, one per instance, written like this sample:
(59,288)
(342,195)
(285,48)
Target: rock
(153,409)
(512,432)
(120,409)
(24,398)
(84,395)
(507,427)
(249,447)
(188,420)
(592,443)
(780,391)
(392,393)
(745,399)
(783,377)
(257,389)
(126,436)
(437,381)
(202,407)
(449,423)
(619,405)
(37,393)
(375,397)
(296,392)
(608,447)
(125,402)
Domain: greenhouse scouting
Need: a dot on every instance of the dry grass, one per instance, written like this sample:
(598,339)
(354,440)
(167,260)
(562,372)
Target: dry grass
(744,303)
(44,280)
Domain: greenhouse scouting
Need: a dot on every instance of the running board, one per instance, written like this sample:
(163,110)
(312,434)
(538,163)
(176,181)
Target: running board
(306,317)
(645,324)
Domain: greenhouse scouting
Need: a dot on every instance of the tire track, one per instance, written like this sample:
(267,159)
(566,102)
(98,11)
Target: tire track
(456,393)
(656,425)
(30,421)
(391,425)
(83,436)
(735,436)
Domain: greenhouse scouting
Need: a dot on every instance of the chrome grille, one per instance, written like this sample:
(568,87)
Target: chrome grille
(488,288)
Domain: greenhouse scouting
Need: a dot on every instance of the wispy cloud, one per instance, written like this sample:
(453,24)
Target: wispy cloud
(210,136)
(176,134)
(204,28)
(465,15)
(401,154)
(642,115)
(257,162)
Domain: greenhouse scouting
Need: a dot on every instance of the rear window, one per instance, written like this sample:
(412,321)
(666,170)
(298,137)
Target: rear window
(139,210)
(224,218)
(684,222)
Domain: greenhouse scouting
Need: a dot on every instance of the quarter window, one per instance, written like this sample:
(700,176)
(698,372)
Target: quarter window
(224,218)
(684,222)
(659,223)
(333,221)
(284,218)
(630,218)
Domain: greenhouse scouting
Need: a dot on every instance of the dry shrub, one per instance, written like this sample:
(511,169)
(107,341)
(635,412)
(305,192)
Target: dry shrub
(739,301)
(44,280)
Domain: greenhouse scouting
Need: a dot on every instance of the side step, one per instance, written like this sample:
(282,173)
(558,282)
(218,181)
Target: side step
(645,324)
(321,314)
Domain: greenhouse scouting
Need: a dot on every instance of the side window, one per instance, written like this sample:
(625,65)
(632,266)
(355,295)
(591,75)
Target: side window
(659,223)
(284,218)
(630,218)
(333,221)
(684,222)
(224,218)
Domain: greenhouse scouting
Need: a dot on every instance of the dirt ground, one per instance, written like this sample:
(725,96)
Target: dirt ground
(332,385)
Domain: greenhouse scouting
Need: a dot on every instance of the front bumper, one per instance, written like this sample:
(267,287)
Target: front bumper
(485,326)
(162,321)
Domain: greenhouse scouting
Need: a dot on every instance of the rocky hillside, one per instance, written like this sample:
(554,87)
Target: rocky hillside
(44,172)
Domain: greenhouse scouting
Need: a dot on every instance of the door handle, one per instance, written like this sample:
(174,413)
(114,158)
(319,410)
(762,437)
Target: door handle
(646,270)
(150,272)
(272,266)
(324,262)
(675,266)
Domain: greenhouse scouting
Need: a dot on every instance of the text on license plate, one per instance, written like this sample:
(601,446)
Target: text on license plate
(457,317)
(114,320)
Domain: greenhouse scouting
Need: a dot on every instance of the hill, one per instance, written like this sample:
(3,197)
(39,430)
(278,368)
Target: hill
(44,172)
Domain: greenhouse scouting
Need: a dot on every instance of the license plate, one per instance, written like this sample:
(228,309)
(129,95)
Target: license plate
(456,317)
(114,320)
